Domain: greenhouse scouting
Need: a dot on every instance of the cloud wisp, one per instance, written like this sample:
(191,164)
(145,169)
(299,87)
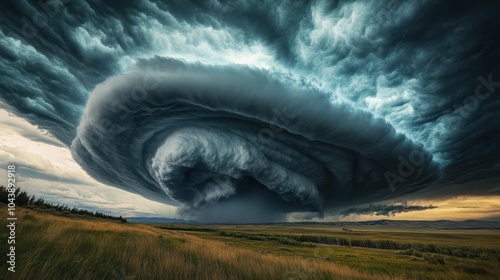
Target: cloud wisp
(389,210)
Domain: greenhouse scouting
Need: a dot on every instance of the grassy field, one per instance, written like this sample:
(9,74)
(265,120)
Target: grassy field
(56,247)
(432,254)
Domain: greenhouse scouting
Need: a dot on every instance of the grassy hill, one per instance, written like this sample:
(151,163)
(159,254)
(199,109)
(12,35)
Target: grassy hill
(57,247)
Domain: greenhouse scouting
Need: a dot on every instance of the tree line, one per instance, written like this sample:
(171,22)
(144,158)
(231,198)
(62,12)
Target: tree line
(23,199)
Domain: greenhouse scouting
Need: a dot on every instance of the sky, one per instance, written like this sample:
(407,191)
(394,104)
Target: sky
(254,111)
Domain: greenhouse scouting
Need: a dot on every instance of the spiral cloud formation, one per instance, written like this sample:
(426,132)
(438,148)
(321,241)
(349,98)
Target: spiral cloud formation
(197,134)
(245,110)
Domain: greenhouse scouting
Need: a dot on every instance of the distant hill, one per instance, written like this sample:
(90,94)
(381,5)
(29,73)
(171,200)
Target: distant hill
(393,224)
(151,220)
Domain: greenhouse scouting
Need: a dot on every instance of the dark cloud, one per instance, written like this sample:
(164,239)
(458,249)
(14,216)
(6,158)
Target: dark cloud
(197,133)
(368,83)
(384,210)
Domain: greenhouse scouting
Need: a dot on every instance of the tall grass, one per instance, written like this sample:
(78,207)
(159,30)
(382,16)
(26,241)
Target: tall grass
(54,247)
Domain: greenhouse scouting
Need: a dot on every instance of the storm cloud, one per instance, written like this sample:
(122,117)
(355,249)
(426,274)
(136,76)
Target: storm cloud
(282,106)
(385,210)
(195,133)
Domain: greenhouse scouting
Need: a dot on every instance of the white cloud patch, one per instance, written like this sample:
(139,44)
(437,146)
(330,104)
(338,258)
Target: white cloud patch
(46,169)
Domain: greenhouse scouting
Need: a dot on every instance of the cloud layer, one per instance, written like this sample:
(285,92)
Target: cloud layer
(195,133)
(309,104)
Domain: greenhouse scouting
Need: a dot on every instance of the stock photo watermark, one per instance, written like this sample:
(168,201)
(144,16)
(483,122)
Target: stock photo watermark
(122,274)
(11,219)
(483,91)
(281,118)
(407,167)
(297,273)
(124,108)
(413,164)
(49,9)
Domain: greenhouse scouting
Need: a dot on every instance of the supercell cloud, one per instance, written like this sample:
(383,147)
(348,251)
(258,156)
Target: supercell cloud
(223,107)
(198,134)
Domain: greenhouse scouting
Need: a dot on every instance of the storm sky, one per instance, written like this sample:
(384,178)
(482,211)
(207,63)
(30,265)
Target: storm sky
(255,110)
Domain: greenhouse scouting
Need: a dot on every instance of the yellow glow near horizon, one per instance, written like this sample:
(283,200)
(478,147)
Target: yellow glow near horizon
(456,208)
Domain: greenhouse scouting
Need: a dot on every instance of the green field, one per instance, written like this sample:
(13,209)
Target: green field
(52,246)
(423,254)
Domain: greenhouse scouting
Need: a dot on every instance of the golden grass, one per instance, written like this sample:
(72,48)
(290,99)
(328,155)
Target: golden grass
(383,261)
(54,247)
